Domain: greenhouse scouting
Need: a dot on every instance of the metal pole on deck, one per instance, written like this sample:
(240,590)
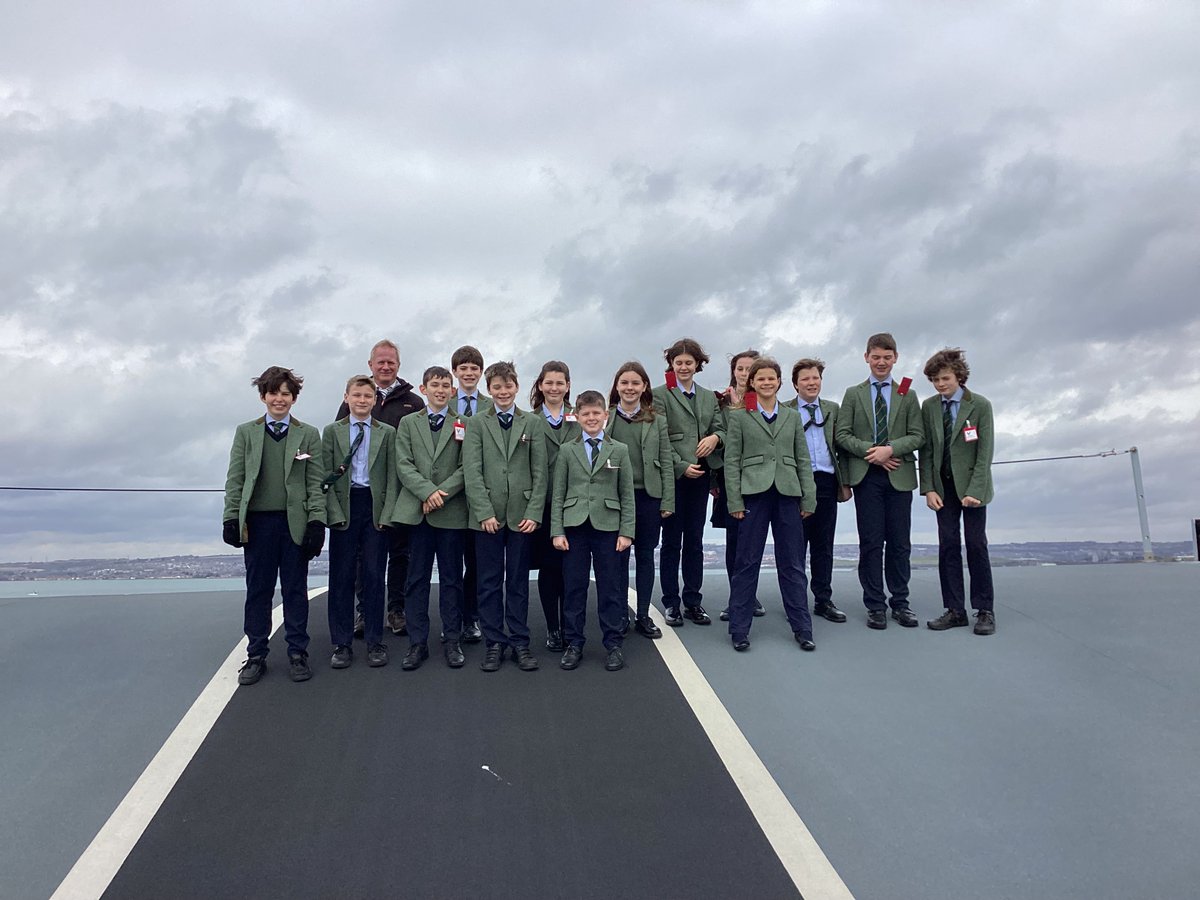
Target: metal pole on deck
(1147,548)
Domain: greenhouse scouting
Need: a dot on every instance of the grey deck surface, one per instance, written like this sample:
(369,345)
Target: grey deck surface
(1055,759)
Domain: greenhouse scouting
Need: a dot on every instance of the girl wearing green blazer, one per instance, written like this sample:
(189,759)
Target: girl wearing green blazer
(550,402)
(633,420)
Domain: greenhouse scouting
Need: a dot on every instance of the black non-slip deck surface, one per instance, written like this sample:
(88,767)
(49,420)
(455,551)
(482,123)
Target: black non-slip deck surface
(441,783)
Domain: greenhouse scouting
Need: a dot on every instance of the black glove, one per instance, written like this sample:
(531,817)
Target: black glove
(230,535)
(314,541)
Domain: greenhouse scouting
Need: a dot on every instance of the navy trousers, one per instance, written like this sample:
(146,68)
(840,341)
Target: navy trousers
(950,563)
(819,529)
(550,574)
(503,574)
(470,599)
(425,543)
(593,549)
(360,545)
(683,540)
(884,517)
(647,526)
(781,514)
(397,570)
(270,554)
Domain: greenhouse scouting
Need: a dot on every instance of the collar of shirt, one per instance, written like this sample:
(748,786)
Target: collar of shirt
(386,390)
(552,418)
(474,395)
(429,410)
(512,409)
(773,413)
(887,383)
(957,398)
(629,415)
(686,392)
(598,436)
(354,421)
(286,420)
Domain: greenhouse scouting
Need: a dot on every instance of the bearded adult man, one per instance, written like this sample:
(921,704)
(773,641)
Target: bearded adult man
(394,399)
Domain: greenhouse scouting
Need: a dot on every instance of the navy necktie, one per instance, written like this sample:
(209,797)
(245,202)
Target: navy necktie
(435,422)
(594,443)
(278,430)
(505,420)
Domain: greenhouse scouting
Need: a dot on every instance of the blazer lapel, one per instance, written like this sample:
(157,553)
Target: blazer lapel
(291,446)
(443,437)
(491,422)
(376,441)
(605,453)
(254,457)
(519,423)
(868,402)
(758,417)
(682,401)
(427,437)
(966,408)
(827,423)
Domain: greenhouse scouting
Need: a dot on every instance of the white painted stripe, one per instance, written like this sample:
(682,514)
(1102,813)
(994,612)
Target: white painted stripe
(810,870)
(94,871)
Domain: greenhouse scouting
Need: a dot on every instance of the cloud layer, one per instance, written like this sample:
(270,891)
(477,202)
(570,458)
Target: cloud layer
(195,192)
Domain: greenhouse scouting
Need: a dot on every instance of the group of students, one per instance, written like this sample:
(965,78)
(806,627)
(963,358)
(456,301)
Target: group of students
(489,491)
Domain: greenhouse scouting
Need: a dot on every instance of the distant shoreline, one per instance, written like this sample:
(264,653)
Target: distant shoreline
(1044,553)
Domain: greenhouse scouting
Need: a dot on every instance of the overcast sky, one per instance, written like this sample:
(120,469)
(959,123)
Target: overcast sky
(190,192)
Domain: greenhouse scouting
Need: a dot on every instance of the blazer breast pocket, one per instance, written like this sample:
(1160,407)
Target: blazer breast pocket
(612,504)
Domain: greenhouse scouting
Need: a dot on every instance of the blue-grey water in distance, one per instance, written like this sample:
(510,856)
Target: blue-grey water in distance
(120,588)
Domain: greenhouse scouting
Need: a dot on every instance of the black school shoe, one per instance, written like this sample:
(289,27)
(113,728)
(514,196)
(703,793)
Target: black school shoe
(805,641)
(615,660)
(377,655)
(951,618)
(672,617)
(454,655)
(417,654)
(492,657)
(697,615)
(829,611)
(525,659)
(298,669)
(471,633)
(252,670)
(342,657)
(905,617)
(985,622)
(876,618)
(645,626)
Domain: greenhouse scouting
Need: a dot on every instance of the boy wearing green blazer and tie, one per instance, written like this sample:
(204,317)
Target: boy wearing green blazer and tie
(357,453)
(467,365)
(769,480)
(274,509)
(696,430)
(819,417)
(956,479)
(879,427)
(592,521)
(432,500)
(504,464)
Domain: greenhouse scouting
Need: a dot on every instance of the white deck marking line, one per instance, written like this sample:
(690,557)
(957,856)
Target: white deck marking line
(95,869)
(812,873)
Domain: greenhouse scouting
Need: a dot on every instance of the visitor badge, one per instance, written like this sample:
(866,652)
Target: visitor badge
(903,386)
(672,381)
(302,456)
(569,417)
(460,430)
(970,432)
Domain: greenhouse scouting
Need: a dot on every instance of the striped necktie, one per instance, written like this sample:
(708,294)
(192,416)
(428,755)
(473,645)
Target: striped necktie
(881,416)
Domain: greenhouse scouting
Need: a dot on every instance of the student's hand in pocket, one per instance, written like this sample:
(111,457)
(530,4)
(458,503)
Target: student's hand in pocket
(623,544)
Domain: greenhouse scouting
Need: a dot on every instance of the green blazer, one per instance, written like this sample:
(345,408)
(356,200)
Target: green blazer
(505,480)
(302,475)
(335,444)
(685,428)
(759,456)
(855,433)
(428,462)
(658,462)
(602,495)
(970,462)
(829,417)
(555,439)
